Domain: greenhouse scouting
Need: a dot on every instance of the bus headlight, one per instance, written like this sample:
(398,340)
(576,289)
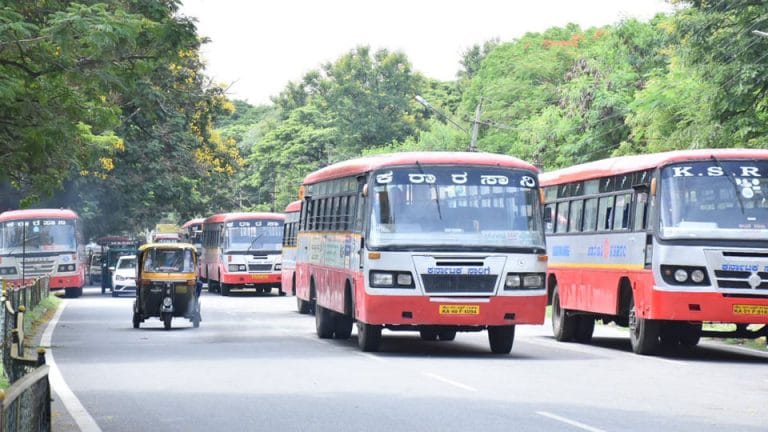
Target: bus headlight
(684,275)
(382,279)
(681,275)
(67,267)
(237,267)
(526,281)
(7,270)
(697,276)
(278,267)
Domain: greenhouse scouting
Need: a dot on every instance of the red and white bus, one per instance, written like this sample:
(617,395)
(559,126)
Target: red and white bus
(40,242)
(660,243)
(242,250)
(434,242)
(290,229)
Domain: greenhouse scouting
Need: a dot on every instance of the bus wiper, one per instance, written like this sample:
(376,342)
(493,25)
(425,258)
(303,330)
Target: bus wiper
(733,182)
(437,194)
(254,241)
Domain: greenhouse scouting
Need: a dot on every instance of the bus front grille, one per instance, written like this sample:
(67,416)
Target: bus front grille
(740,280)
(259,267)
(459,284)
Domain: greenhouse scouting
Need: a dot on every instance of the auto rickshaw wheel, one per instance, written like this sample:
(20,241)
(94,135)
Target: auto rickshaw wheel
(167,320)
(136,320)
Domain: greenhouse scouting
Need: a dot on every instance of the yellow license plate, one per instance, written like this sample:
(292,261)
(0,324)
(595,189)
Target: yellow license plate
(258,276)
(459,309)
(744,309)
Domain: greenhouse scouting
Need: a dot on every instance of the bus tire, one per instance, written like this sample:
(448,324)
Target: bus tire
(643,333)
(302,306)
(224,289)
(136,320)
(564,326)
(368,337)
(167,317)
(585,327)
(446,335)
(690,334)
(428,334)
(324,322)
(342,328)
(501,339)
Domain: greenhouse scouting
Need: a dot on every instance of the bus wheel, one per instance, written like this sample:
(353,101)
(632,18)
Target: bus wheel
(446,335)
(280,292)
(585,326)
(368,337)
(324,322)
(563,326)
(690,334)
(302,306)
(136,320)
(342,328)
(643,333)
(501,338)
(224,289)
(428,334)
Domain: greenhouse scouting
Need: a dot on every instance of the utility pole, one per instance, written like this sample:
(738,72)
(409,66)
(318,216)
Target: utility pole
(475,127)
(475,123)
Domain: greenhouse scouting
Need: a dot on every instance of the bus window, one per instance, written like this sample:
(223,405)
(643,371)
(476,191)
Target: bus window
(605,212)
(641,211)
(590,215)
(562,217)
(621,217)
(576,216)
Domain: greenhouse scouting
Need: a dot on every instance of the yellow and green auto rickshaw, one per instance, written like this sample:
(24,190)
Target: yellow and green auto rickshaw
(166,284)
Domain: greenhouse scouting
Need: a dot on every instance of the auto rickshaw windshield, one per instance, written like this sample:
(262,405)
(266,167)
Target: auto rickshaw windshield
(169,261)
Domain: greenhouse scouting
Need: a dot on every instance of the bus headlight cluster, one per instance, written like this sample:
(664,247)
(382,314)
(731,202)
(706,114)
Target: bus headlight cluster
(237,267)
(7,270)
(66,267)
(385,279)
(524,281)
(684,275)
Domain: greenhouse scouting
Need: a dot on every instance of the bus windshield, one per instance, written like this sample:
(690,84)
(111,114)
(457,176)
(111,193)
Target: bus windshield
(472,207)
(716,199)
(37,235)
(253,236)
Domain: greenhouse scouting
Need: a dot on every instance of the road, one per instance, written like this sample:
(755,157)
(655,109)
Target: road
(255,364)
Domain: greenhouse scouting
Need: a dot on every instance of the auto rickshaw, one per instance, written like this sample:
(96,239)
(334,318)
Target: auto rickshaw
(166,284)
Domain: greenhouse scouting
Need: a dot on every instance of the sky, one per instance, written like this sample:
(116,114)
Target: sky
(258,46)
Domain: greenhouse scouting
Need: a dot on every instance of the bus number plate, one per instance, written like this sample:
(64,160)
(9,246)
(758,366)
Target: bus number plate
(744,309)
(459,309)
(258,277)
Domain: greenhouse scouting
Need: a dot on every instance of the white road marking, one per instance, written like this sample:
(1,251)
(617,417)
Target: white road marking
(71,402)
(372,357)
(451,382)
(569,421)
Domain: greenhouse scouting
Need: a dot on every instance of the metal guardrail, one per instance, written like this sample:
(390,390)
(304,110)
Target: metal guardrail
(26,404)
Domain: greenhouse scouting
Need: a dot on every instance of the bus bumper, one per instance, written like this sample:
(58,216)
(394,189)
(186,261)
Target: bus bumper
(458,311)
(705,307)
(58,282)
(251,279)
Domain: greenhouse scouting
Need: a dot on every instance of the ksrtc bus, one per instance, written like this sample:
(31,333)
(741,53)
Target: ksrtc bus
(425,241)
(43,242)
(290,229)
(660,243)
(242,250)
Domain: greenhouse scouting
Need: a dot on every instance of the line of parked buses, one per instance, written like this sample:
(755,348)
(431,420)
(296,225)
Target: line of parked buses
(440,243)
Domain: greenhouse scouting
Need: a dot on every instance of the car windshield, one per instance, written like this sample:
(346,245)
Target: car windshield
(126,263)
(37,235)
(455,206)
(716,199)
(168,261)
(253,235)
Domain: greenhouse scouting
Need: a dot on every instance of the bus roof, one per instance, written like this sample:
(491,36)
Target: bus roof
(365,164)
(627,164)
(37,213)
(293,207)
(195,221)
(228,217)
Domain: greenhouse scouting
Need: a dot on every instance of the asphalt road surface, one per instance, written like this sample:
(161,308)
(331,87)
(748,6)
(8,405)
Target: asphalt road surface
(256,364)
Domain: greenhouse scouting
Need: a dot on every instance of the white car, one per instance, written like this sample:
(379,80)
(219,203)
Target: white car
(124,276)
